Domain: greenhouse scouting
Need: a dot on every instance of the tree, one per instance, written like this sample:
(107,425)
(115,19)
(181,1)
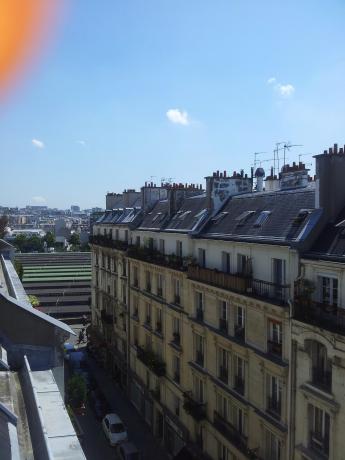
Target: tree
(19,242)
(76,389)
(74,239)
(49,238)
(3,225)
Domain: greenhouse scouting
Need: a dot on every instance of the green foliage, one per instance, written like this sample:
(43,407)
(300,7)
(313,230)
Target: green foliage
(3,225)
(76,388)
(74,239)
(28,243)
(34,301)
(49,238)
(19,269)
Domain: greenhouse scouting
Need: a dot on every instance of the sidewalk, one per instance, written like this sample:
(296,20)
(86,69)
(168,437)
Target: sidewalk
(138,431)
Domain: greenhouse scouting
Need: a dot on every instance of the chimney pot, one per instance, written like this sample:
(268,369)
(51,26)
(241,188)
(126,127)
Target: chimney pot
(221,174)
(325,152)
(335,148)
(224,174)
(217,173)
(341,150)
(330,151)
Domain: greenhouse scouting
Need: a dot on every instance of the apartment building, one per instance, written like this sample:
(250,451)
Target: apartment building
(213,356)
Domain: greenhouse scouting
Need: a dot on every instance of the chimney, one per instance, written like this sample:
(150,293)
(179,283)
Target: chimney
(330,183)
(295,176)
(219,187)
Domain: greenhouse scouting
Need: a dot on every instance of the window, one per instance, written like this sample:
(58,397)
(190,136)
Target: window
(223,364)
(319,422)
(126,235)
(202,257)
(223,407)
(117,237)
(226,262)
(176,330)
(148,314)
(198,389)
(124,293)
(148,342)
(148,281)
(274,395)
(240,420)
(135,336)
(199,305)
(176,368)
(135,306)
(243,265)
(242,218)
(109,262)
(177,291)
(224,453)
(328,290)
(321,366)
(223,316)
(137,241)
(176,404)
(239,380)
(261,219)
(275,339)
(160,285)
(240,323)
(273,447)
(162,246)
(159,320)
(199,349)
(278,267)
(135,277)
(179,248)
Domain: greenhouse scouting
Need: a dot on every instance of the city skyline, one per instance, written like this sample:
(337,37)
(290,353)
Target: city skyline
(124,88)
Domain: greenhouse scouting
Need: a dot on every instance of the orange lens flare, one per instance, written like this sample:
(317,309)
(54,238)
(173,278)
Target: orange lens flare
(25,26)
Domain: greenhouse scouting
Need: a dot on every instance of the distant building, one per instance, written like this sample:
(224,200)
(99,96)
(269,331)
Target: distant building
(75,209)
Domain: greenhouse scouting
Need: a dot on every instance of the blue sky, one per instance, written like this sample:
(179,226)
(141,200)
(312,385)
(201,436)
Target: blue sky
(234,77)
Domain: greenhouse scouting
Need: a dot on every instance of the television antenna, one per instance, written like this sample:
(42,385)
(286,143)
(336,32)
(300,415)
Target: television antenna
(288,146)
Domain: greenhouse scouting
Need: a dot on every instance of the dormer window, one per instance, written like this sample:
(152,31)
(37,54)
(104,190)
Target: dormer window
(243,217)
(261,219)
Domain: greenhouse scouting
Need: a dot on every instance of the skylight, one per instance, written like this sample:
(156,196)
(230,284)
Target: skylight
(243,217)
(219,216)
(184,214)
(200,214)
(261,219)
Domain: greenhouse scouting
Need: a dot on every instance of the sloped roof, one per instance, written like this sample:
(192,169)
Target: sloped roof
(119,216)
(330,245)
(156,218)
(287,217)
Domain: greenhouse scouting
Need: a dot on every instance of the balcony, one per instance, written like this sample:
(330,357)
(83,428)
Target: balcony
(274,348)
(240,332)
(199,358)
(108,242)
(223,325)
(322,378)
(324,316)
(107,317)
(319,443)
(148,322)
(230,432)
(240,283)
(195,409)
(151,360)
(148,287)
(239,384)
(160,292)
(177,299)
(223,374)
(274,407)
(155,257)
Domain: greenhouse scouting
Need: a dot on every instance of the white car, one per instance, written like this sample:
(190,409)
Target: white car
(114,429)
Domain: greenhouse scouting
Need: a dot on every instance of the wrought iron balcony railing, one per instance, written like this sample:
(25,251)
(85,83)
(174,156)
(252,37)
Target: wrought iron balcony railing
(322,378)
(329,317)
(194,408)
(274,348)
(151,360)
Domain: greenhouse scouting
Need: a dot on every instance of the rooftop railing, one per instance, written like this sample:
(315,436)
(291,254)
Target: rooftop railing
(329,317)
(108,242)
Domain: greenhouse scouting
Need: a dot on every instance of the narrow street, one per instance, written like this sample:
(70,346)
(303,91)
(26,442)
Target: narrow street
(94,442)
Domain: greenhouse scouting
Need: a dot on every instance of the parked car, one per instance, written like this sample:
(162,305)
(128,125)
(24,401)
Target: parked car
(114,429)
(127,451)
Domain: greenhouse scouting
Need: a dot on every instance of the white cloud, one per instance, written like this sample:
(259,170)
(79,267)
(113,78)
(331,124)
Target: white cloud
(38,199)
(83,143)
(37,143)
(285,90)
(178,116)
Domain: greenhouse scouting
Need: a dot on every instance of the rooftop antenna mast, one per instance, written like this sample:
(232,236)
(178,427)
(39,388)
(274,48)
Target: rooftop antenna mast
(256,161)
(276,156)
(288,146)
(303,155)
